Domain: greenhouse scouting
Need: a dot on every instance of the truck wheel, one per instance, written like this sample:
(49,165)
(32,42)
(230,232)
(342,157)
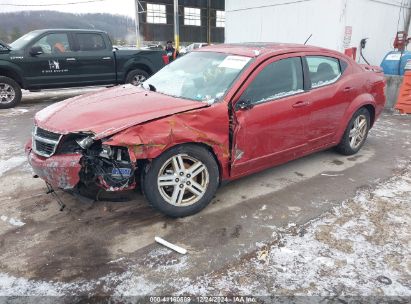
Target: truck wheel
(10,93)
(356,133)
(182,181)
(136,77)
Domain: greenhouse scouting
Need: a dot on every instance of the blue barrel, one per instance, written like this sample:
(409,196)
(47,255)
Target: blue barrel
(394,62)
(404,59)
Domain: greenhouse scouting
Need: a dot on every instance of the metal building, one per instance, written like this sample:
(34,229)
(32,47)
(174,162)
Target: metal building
(335,24)
(200,20)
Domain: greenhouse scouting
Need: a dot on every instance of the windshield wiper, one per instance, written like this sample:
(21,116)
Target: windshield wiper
(5,45)
(150,87)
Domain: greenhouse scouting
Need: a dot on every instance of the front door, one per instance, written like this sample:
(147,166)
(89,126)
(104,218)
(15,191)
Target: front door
(271,129)
(55,66)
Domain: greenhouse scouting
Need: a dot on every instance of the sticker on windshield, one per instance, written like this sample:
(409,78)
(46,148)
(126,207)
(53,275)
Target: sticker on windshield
(234,62)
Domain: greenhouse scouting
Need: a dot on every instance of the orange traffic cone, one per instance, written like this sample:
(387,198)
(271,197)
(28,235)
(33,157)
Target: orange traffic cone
(404,96)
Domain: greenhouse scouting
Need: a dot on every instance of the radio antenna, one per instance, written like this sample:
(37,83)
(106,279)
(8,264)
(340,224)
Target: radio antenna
(308,39)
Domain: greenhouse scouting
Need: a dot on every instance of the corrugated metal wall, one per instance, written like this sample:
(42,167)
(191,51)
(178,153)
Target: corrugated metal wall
(164,32)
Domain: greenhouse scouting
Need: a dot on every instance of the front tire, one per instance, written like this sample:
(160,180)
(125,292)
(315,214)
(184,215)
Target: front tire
(182,181)
(136,77)
(356,133)
(10,93)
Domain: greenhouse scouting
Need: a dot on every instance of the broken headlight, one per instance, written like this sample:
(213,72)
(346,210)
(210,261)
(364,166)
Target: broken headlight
(109,166)
(85,142)
(106,151)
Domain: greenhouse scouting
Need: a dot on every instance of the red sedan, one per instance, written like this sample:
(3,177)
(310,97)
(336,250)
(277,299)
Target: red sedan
(216,114)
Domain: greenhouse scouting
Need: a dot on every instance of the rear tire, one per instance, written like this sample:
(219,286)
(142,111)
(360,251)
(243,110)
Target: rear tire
(356,133)
(136,77)
(10,93)
(181,181)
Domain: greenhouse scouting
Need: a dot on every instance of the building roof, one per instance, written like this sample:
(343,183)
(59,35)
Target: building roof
(255,49)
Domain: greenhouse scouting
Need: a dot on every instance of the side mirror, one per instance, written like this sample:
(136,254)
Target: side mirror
(36,50)
(243,105)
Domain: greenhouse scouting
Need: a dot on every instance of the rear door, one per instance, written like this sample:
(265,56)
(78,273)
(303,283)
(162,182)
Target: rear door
(330,96)
(272,129)
(95,59)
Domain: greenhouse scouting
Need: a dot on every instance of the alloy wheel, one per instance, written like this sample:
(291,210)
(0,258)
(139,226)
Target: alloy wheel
(358,131)
(183,180)
(138,79)
(7,93)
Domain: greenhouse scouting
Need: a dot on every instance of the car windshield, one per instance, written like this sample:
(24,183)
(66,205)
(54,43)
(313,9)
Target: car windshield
(22,41)
(199,76)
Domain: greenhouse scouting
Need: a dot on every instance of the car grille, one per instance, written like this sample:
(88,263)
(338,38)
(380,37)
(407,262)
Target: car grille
(45,142)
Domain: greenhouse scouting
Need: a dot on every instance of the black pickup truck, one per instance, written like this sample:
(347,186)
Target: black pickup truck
(61,58)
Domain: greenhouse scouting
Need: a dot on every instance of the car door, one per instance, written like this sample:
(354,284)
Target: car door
(52,66)
(95,59)
(270,116)
(330,96)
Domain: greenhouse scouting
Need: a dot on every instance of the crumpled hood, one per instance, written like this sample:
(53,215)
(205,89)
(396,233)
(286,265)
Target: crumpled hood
(109,111)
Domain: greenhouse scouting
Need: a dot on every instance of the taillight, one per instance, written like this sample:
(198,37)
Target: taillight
(166,60)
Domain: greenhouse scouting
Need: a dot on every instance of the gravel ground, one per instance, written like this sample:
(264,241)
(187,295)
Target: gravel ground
(360,248)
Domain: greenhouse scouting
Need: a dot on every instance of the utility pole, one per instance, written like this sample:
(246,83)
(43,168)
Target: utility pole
(176,26)
(208,21)
(138,39)
(407,20)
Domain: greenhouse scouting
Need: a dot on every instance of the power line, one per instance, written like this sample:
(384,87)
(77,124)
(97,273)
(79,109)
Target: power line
(50,4)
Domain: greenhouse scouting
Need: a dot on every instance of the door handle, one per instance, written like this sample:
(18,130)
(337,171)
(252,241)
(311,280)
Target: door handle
(106,58)
(348,89)
(300,104)
(71,59)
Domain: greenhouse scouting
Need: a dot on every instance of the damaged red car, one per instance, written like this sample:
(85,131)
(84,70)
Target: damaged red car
(216,114)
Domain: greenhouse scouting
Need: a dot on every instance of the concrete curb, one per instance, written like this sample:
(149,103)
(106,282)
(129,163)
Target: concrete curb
(392,90)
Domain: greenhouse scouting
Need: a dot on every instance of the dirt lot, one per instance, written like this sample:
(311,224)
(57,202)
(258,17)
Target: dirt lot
(323,225)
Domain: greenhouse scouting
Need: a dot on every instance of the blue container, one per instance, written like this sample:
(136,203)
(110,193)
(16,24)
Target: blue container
(394,62)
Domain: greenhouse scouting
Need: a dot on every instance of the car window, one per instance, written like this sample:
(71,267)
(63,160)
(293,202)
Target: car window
(278,79)
(54,44)
(199,76)
(323,70)
(90,42)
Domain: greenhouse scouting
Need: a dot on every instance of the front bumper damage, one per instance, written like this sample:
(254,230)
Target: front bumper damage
(61,171)
(88,168)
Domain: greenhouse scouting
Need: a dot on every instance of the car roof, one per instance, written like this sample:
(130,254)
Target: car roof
(67,30)
(255,49)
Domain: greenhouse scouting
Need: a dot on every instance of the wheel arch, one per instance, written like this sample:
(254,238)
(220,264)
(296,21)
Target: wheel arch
(363,101)
(10,73)
(140,66)
(371,110)
(144,162)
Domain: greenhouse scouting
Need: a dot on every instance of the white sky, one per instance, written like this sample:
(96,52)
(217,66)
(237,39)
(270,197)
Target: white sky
(121,7)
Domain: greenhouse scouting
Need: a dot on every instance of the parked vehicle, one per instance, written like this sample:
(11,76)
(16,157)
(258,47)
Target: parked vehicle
(46,59)
(192,47)
(232,111)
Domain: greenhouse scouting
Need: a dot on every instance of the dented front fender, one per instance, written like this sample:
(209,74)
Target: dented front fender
(208,126)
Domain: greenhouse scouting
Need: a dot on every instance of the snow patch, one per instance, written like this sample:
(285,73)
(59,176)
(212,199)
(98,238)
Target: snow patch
(345,252)
(12,221)
(13,112)
(11,163)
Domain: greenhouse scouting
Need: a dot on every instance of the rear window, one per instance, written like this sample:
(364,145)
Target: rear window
(323,70)
(90,42)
